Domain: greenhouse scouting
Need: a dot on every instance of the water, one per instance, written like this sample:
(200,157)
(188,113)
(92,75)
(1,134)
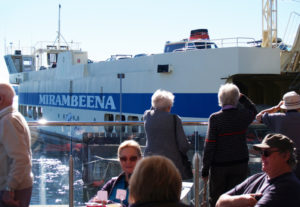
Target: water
(51,180)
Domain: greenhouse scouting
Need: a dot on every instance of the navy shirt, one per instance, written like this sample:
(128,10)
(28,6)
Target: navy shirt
(283,190)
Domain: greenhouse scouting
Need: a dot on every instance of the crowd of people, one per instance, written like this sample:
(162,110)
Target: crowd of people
(156,179)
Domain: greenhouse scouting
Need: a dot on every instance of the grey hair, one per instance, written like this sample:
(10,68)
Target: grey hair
(292,162)
(162,99)
(229,94)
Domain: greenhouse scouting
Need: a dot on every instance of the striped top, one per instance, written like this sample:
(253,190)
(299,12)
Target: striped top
(226,143)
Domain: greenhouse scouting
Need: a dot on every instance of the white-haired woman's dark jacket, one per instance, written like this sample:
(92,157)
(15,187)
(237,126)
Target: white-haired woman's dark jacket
(160,133)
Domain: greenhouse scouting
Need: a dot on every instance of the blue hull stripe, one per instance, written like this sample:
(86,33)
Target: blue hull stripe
(185,105)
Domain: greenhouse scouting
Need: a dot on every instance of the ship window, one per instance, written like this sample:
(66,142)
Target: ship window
(34,113)
(40,112)
(29,112)
(133,129)
(25,110)
(18,64)
(172,47)
(52,58)
(191,46)
(118,128)
(108,117)
(20,109)
(27,62)
(205,45)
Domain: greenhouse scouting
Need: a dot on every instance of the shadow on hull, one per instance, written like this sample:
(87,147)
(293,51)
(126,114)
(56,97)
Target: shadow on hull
(266,89)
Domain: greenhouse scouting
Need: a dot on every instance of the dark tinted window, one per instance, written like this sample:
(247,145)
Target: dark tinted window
(171,48)
(205,45)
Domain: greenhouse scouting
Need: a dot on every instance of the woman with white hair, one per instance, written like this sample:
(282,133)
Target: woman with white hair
(225,157)
(164,132)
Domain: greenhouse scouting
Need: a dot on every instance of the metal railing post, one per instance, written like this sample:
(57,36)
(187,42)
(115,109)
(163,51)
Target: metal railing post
(196,163)
(71,180)
(71,173)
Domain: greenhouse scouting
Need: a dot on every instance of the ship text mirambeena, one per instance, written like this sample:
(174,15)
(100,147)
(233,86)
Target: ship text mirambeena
(80,101)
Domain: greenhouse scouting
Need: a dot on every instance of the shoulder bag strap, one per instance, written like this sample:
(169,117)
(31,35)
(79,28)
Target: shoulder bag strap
(175,130)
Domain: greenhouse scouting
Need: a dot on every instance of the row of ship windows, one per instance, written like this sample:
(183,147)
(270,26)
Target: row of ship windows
(129,129)
(36,113)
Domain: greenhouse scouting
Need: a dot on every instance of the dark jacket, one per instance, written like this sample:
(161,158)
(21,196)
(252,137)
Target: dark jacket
(109,186)
(226,142)
(160,133)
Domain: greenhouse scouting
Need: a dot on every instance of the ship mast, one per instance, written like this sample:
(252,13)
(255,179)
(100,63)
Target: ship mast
(269,22)
(58,33)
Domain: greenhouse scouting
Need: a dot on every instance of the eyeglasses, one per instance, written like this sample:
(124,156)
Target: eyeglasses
(267,153)
(131,159)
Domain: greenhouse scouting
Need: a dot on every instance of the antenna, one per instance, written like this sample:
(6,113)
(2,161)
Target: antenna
(58,33)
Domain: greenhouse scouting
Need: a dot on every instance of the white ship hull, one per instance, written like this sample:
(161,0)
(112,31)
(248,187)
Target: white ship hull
(195,78)
(79,91)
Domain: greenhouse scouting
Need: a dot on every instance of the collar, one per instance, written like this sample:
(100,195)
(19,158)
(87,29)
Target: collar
(6,110)
(228,107)
(272,180)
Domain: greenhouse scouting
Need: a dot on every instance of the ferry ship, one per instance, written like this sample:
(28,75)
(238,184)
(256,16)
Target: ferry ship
(60,83)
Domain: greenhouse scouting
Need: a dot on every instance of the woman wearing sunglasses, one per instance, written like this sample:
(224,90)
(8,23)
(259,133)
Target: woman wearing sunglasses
(129,153)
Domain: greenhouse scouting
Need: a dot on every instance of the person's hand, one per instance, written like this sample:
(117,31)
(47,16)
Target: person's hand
(258,117)
(270,110)
(96,200)
(248,200)
(8,199)
(205,179)
(278,105)
(98,183)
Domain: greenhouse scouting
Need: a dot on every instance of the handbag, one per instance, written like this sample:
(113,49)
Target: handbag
(187,174)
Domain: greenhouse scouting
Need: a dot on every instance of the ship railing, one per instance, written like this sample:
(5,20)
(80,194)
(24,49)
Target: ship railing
(236,42)
(41,45)
(47,45)
(13,48)
(76,158)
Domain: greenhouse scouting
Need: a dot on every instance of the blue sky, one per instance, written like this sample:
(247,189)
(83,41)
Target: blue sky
(107,27)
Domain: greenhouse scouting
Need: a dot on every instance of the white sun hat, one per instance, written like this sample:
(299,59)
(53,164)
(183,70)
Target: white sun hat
(291,100)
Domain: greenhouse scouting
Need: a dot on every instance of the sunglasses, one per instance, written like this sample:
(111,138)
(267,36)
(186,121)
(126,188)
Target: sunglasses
(131,159)
(267,153)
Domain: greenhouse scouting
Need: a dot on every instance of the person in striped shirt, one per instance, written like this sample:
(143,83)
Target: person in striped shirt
(225,156)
